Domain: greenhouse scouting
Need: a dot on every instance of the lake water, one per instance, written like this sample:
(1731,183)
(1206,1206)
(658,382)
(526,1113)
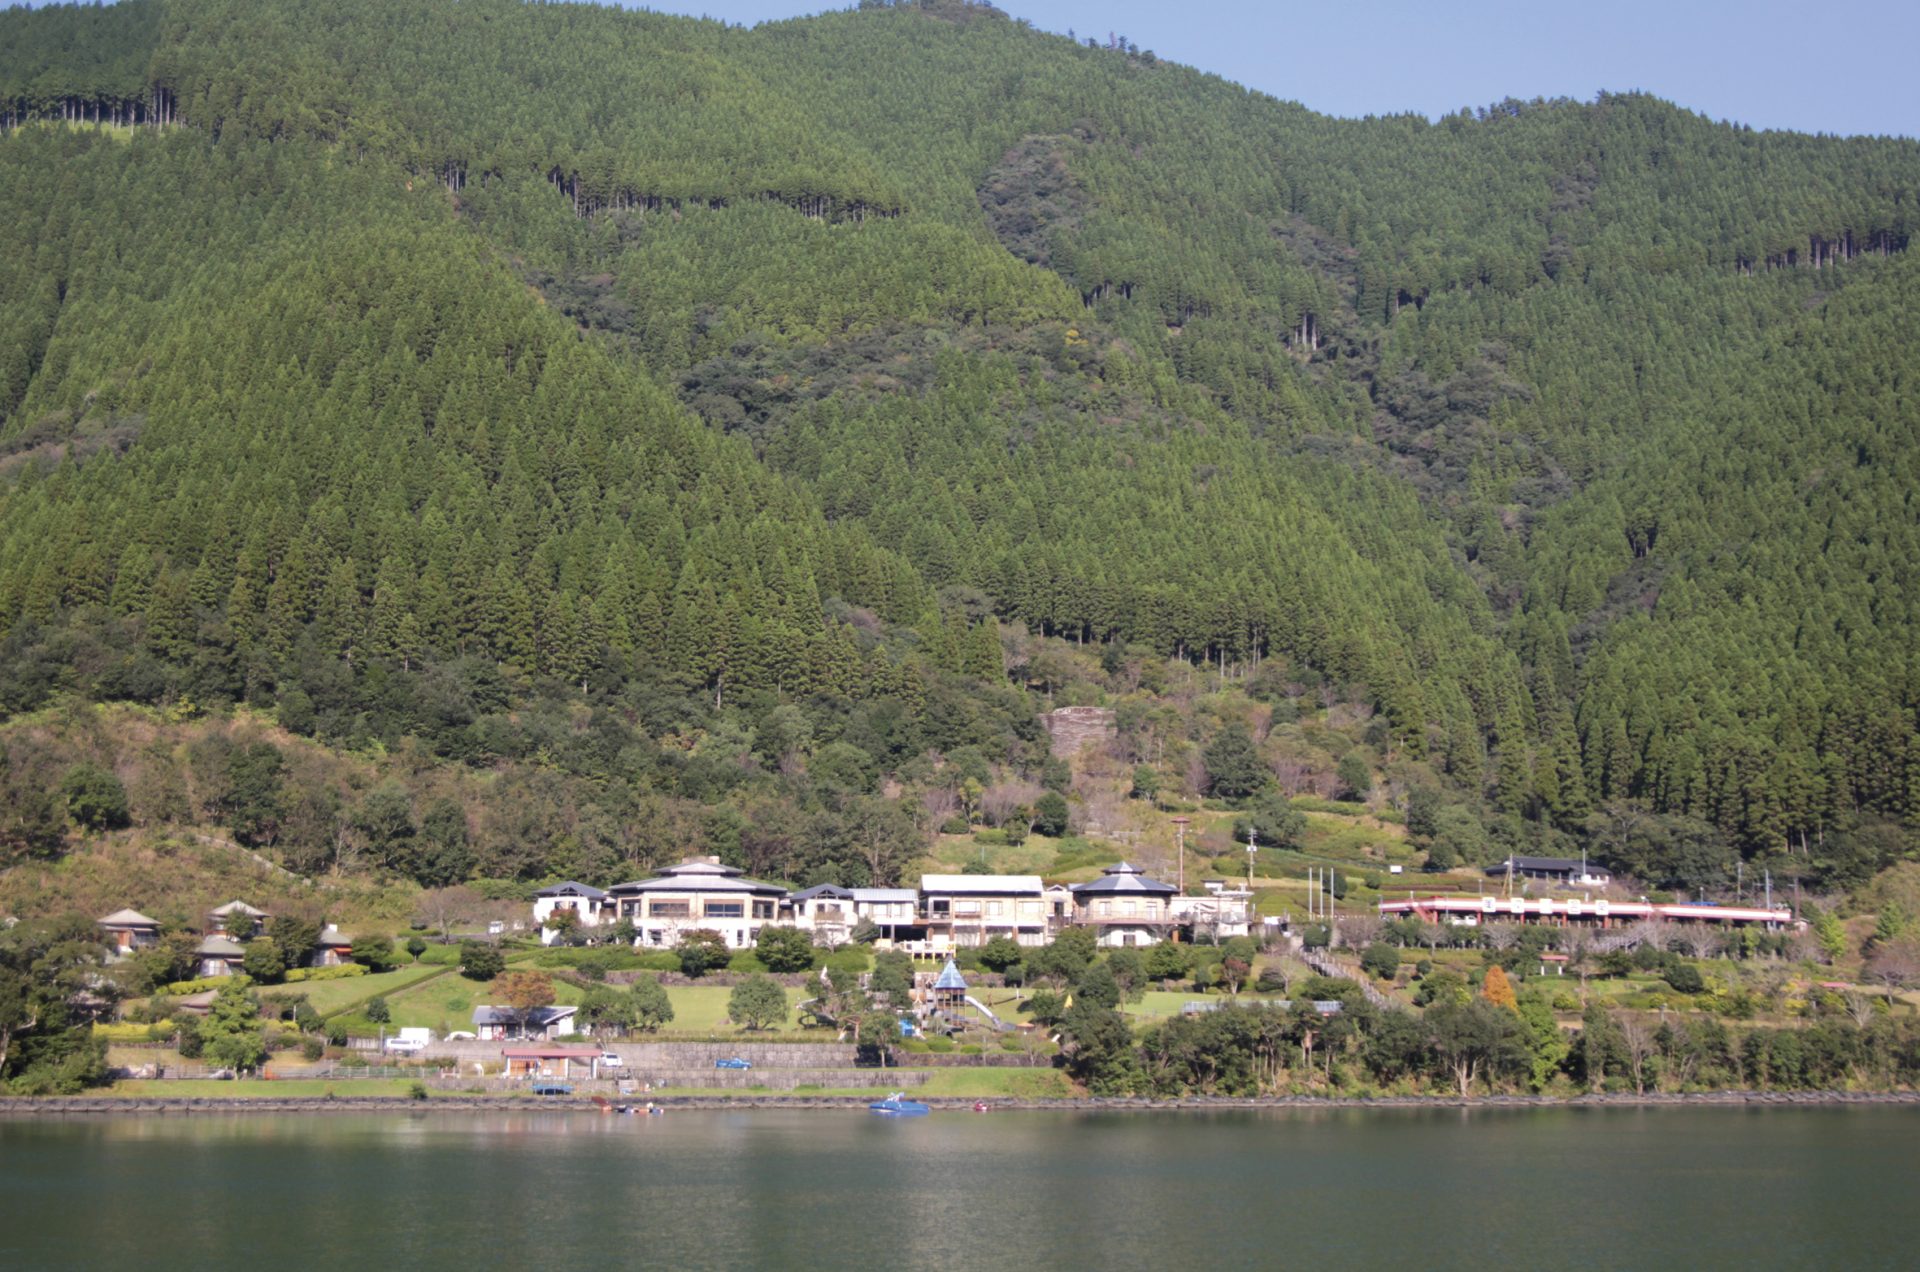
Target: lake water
(1487,1189)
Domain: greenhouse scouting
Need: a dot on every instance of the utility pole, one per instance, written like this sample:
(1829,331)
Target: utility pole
(1250,852)
(1180,850)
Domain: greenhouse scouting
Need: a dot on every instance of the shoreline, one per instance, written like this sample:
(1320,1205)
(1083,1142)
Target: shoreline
(85,1106)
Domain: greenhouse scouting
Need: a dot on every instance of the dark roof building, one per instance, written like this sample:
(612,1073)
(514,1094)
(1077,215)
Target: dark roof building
(1556,869)
(572,889)
(824,891)
(1123,878)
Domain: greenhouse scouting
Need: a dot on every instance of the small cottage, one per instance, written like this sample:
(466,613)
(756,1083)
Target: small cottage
(129,930)
(218,956)
(239,920)
(499,1024)
(333,948)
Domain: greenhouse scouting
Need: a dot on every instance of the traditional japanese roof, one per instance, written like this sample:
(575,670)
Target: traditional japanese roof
(219,947)
(885,895)
(238,907)
(572,889)
(333,936)
(538,1018)
(1125,878)
(833,891)
(699,876)
(981,883)
(950,977)
(128,918)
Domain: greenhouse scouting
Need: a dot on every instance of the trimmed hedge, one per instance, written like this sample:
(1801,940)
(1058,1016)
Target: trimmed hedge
(341,972)
(201,986)
(128,1031)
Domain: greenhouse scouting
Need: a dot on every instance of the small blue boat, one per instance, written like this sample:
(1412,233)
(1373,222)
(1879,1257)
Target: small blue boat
(897,1105)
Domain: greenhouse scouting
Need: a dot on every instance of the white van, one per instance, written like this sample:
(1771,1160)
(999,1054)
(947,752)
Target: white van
(410,1041)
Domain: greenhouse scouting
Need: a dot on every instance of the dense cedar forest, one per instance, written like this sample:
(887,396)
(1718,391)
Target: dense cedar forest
(624,434)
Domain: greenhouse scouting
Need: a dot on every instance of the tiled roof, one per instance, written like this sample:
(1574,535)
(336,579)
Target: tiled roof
(129,918)
(1125,877)
(572,889)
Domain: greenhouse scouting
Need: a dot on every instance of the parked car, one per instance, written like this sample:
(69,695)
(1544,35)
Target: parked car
(733,1062)
(611,1060)
(462,1035)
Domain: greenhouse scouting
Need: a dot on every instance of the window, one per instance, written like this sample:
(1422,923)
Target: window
(670,909)
(966,907)
(763,909)
(726,909)
(993,909)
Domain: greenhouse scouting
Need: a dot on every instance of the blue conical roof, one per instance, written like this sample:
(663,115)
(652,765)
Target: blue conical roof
(950,977)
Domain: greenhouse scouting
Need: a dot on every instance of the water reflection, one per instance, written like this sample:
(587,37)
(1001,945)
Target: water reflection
(1329,1188)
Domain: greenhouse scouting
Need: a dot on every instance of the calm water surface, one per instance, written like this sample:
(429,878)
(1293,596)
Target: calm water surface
(1598,1188)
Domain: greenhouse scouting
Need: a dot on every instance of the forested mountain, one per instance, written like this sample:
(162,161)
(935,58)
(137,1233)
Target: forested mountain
(767,424)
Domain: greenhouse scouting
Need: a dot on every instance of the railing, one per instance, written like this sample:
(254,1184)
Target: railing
(1327,965)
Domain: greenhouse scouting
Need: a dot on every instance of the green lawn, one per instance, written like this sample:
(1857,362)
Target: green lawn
(1157,1004)
(704,1007)
(446,1004)
(329,996)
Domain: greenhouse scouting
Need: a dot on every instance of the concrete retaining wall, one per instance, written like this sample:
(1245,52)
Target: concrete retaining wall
(681,1055)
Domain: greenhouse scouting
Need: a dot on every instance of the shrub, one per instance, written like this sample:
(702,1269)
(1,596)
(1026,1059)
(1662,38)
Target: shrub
(134,1032)
(955,825)
(852,958)
(940,1046)
(481,961)
(95,797)
(784,949)
(416,946)
(1685,978)
(658,961)
(757,1002)
(312,1049)
(746,963)
(373,951)
(201,986)
(652,1006)
(377,1011)
(1381,961)
(1050,815)
(701,950)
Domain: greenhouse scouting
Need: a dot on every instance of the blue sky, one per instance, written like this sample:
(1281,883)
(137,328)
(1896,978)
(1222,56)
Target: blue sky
(1760,62)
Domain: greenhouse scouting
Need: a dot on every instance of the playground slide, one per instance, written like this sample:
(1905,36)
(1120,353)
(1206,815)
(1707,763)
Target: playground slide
(987,1011)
